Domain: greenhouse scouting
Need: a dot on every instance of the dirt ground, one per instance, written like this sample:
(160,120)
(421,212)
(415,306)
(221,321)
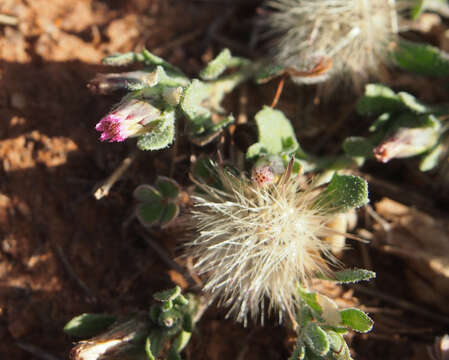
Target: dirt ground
(63,253)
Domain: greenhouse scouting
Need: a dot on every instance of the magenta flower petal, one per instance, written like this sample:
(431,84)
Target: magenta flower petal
(127,120)
(111,127)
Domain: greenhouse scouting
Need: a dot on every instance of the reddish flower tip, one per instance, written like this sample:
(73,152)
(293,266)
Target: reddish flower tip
(111,129)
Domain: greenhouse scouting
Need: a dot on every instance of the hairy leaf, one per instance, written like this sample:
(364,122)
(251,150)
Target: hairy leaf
(356,319)
(344,192)
(317,339)
(217,66)
(276,134)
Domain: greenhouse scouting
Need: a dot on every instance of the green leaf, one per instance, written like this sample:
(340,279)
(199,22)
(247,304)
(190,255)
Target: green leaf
(310,298)
(148,351)
(167,305)
(421,59)
(378,99)
(276,134)
(431,159)
(187,322)
(167,295)
(409,120)
(159,76)
(254,150)
(151,59)
(149,213)
(181,300)
(181,341)
(173,355)
(157,140)
(351,276)
(217,66)
(356,319)
(343,193)
(169,188)
(147,193)
(339,348)
(412,103)
(336,341)
(304,316)
(170,213)
(298,353)
(338,329)
(155,311)
(357,146)
(88,325)
(311,355)
(192,105)
(267,72)
(155,342)
(417,9)
(317,339)
(381,122)
(122,59)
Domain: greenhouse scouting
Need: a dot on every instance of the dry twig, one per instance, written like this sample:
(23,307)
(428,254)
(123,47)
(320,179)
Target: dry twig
(103,188)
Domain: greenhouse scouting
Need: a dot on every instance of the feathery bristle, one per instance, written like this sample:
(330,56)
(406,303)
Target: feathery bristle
(352,34)
(256,243)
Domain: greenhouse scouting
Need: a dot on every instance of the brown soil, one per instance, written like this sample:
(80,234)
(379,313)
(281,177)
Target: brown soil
(51,159)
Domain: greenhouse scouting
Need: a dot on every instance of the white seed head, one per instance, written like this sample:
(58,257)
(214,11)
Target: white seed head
(353,34)
(256,243)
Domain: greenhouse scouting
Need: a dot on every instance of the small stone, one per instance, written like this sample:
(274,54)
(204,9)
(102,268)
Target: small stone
(18,101)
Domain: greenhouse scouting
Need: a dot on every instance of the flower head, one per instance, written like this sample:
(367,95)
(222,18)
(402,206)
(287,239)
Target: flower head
(352,35)
(130,119)
(255,243)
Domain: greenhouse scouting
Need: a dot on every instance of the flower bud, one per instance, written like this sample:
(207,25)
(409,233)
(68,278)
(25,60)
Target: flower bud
(108,83)
(267,170)
(406,142)
(130,119)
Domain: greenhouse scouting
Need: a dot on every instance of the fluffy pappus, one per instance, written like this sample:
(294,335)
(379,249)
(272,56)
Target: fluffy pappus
(350,35)
(254,244)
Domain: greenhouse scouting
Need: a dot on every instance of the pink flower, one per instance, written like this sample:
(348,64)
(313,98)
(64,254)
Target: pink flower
(129,119)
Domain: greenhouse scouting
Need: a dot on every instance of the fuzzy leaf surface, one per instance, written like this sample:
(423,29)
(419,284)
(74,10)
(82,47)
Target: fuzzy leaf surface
(344,192)
(356,319)
(317,339)
(276,133)
(157,140)
(310,298)
(217,66)
(351,276)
